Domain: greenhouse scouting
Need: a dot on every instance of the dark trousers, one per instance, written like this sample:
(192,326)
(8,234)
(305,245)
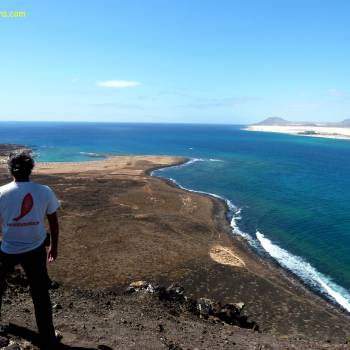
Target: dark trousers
(34,266)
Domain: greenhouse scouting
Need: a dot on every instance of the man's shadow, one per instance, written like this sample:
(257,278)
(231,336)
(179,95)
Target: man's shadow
(33,338)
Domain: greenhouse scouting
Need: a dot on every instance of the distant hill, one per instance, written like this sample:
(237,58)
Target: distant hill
(345,122)
(274,121)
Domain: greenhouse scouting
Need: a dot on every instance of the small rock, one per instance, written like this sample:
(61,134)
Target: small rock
(173,346)
(139,284)
(205,307)
(151,288)
(161,328)
(230,314)
(136,286)
(173,293)
(240,306)
(175,289)
(56,306)
(58,335)
(130,290)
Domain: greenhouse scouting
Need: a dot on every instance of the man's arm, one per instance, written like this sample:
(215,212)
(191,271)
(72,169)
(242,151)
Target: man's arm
(54,231)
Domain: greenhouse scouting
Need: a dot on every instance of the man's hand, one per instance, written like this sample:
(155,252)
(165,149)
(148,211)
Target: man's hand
(54,229)
(52,254)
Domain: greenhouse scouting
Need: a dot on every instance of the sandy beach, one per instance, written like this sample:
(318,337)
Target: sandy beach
(120,225)
(312,131)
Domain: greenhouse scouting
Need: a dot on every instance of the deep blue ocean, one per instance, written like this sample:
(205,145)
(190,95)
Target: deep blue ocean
(289,195)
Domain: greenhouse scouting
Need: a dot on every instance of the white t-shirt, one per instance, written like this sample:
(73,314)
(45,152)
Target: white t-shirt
(23,207)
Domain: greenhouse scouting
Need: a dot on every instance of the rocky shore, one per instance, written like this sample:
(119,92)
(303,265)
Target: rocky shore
(119,225)
(7,148)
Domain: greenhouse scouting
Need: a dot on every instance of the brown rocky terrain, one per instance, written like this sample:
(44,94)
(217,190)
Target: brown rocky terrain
(119,225)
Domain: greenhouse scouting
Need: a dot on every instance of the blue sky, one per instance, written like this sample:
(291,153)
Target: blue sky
(200,61)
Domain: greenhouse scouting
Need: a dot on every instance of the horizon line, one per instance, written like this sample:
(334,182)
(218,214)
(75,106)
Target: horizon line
(115,122)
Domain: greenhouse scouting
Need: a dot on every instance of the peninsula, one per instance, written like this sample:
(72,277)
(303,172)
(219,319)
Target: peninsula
(340,130)
(120,225)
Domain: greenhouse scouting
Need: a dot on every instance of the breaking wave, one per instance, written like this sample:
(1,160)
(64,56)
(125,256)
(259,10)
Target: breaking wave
(91,154)
(189,162)
(306,272)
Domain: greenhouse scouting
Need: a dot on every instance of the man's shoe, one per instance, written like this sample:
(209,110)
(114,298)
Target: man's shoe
(54,343)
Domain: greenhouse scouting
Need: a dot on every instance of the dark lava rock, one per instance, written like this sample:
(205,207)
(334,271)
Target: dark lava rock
(174,293)
(205,307)
(176,299)
(136,286)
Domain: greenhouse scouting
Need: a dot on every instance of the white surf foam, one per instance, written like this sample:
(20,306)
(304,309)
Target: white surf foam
(189,162)
(235,228)
(234,213)
(90,154)
(306,272)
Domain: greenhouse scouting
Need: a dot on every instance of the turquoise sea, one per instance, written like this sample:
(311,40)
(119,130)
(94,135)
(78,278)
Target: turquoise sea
(289,196)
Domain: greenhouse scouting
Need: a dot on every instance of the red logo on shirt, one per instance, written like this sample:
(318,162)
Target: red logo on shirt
(27,206)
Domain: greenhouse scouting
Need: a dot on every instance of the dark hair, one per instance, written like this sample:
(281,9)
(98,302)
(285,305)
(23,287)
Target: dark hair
(20,164)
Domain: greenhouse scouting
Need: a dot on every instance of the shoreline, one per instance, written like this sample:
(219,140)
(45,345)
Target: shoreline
(173,232)
(336,133)
(264,254)
(228,215)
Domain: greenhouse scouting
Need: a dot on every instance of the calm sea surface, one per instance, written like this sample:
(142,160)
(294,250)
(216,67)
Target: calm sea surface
(289,195)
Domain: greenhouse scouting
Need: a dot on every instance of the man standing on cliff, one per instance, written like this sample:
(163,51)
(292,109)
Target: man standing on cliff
(23,208)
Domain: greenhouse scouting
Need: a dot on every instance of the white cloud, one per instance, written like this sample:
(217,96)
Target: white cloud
(117,84)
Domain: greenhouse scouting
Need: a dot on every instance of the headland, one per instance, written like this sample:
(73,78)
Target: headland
(325,130)
(120,225)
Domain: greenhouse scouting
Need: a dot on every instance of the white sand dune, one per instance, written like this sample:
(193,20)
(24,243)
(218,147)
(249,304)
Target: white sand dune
(312,131)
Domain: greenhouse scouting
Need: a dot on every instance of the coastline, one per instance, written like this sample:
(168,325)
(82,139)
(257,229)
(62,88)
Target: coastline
(268,290)
(340,133)
(248,249)
(328,294)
